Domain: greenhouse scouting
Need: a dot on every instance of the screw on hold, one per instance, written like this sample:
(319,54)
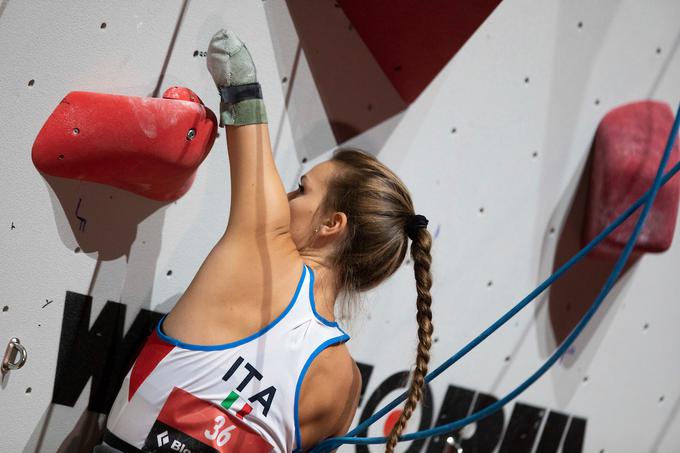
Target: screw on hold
(191,134)
(76,131)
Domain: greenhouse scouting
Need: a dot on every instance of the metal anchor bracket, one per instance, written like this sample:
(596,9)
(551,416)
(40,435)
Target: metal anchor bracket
(13,347)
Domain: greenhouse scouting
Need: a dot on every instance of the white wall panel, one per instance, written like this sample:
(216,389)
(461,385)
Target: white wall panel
(525,96)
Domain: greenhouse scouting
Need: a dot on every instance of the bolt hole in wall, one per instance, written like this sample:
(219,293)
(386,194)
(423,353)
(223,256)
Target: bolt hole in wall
(5,308)
(103,25)
(29,390)
(169,273)
(31,82)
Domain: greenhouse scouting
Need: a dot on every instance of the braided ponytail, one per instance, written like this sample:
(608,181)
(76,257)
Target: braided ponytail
(379,210)
(422,260)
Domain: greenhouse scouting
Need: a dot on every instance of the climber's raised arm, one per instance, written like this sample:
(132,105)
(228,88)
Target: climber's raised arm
(259,204)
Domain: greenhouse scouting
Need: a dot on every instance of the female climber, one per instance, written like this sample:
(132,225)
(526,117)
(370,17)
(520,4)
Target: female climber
(251,358)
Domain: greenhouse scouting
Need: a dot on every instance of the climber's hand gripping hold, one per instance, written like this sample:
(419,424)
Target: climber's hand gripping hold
(233,71)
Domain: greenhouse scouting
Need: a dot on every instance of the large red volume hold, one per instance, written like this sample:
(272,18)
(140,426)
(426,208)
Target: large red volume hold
(628,147)
(149,146)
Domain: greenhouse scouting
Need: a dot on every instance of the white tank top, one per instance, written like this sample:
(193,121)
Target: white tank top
(235,397)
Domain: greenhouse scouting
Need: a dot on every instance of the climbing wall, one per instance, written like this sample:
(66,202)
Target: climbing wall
(487,112)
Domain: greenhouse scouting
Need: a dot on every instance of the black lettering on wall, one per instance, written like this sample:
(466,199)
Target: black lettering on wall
(552,433)
(522,429)
(398,381)
(99,352)
(573,442)
(454,407)
(488,430)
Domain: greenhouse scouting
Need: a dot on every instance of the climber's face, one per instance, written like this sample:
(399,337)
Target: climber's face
(305,209)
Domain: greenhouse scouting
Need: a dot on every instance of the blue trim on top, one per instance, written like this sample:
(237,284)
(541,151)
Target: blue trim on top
(233,344)
(324,345)
(311,301)
(343,332)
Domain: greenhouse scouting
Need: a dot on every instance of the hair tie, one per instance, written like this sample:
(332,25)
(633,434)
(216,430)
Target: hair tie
(413,223)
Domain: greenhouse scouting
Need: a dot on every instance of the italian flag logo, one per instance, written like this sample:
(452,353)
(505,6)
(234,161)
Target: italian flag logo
(235,403)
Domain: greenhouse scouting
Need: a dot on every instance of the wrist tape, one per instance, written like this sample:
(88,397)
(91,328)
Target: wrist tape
(238,93)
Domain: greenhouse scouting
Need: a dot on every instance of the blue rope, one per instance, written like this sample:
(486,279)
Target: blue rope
(648,199)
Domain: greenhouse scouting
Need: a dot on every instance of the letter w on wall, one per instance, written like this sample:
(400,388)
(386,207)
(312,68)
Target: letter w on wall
(100,352)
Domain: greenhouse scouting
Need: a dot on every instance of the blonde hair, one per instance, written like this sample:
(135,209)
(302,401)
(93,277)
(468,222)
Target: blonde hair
(378,206)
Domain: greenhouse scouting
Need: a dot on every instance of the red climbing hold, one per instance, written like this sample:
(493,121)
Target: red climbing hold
(629,143)
(149,146)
